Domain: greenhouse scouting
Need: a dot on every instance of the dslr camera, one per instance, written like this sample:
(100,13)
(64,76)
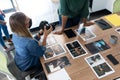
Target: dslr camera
(45,23)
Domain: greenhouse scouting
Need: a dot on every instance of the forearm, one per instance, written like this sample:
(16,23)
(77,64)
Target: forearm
(2,22)
(44,40)
(64,21)
(87,23)
(84,20)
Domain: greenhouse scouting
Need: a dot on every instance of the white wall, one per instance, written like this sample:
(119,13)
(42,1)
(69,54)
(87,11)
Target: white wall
(109,5)
(38,10)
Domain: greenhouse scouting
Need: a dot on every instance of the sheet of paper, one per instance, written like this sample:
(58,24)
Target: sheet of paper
(59,75)
(99,65)
(113,19)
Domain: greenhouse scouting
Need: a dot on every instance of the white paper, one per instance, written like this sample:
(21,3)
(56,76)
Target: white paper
(87,35)
(59,75)
(99,65)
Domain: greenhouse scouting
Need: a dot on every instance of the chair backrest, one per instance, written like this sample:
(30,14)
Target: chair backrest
(116,6)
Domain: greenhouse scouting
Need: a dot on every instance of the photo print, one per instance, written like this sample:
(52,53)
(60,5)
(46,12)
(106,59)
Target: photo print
(75,49)
(97,46)
(87,35)
(58,49)
(57,64)
(99,66)
(49,53)
(53,51)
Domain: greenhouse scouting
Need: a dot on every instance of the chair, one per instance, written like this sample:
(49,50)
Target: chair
(4,72)
(116,6)
(16,72)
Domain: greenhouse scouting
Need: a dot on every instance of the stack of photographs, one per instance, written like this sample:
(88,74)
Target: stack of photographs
(87,35)
(99,66)
(53,51)
(75,49)
(97,46)
(57,64)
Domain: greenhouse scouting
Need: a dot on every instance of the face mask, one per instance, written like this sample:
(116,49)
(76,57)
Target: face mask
(30,23)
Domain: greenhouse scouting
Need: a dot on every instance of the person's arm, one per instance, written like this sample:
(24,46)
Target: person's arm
(38,35)
(63,11)
(35,49)
(1,12)
(2,22)
(84,14)
(64,21)
(86,23)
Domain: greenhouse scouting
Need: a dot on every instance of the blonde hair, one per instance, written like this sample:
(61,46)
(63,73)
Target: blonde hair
(17,23)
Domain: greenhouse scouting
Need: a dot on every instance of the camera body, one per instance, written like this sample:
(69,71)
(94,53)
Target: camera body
(47,26)
(45,23)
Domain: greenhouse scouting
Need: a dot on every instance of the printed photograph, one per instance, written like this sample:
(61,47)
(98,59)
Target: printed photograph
(57,64)
(75,49)
(53,51)
(97,46)
(87,35)
(102,70)
(95,60)
(99,66)
(58,49)
(49,53)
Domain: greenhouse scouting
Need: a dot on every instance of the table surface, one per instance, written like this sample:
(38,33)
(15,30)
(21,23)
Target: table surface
(79,68)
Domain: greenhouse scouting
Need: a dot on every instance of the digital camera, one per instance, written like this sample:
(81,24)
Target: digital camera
(45,23)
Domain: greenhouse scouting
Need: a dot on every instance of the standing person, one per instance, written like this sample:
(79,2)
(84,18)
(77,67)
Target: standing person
(71,11)
(4,28)
(28,50)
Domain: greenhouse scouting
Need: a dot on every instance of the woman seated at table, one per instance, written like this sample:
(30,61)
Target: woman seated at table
(28,50)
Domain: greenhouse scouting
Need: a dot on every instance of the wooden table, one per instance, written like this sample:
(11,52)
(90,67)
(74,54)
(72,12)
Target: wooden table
(79,69)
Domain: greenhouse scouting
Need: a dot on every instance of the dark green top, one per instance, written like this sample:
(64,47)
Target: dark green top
(72,8)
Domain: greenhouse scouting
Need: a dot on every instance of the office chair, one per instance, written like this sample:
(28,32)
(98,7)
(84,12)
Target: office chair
(116,6)
(16,72)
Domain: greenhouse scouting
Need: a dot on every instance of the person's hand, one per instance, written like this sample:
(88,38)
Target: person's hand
(3,22)
(47,32)
(88,23)
(58,32)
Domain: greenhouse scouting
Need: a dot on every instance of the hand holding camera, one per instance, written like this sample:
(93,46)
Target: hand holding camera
(47,30)
(45,23)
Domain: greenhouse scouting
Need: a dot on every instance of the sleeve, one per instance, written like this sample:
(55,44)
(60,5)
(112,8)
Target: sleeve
(34,48)
(63,8)
(36,37)
(85,10)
